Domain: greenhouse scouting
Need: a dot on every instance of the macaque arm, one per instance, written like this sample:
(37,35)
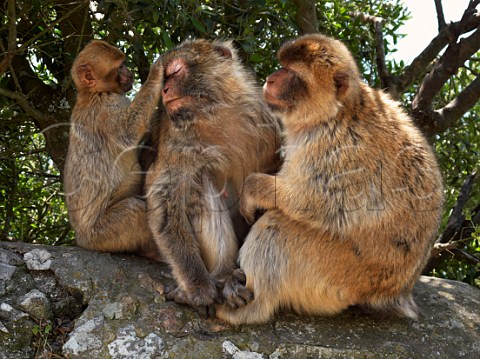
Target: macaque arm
(143,106)
(259,192)
(172,222)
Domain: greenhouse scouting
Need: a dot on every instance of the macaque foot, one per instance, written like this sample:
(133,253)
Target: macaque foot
(235,293)
(200,295)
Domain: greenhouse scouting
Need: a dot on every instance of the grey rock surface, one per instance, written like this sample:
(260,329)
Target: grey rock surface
(81,304)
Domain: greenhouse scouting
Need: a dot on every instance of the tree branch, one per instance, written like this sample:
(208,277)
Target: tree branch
(438,248)
(448,64)
(55,126)
(377,22)
(12,28)
(455,109)
(76,31)
(452,247)
(306,17)
(470,21)
(465,256)
(456,231)
(476,216)
(472,6)
(12,37)
(22,101)
(18,50)
(456,219)
(441,18)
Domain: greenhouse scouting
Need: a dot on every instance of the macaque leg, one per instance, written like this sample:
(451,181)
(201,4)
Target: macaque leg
(275,259)
(175,210)
(122,227)
(263,278)
(219,247)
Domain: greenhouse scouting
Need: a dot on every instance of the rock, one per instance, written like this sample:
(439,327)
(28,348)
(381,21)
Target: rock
(86,339)
(11,314)
(230,348)
(38,259)
(9,257)
(6,271)
(128,345)
(124,309)
(16,333)
(112,306)
(36,304)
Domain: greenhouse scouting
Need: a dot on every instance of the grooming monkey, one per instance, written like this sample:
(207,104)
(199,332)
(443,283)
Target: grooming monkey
(215,130)
(103,179)
(352,214)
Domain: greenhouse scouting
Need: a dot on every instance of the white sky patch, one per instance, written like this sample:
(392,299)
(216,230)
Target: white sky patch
(423,26)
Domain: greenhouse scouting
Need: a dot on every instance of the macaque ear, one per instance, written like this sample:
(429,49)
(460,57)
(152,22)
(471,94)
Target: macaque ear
(341,80)
(86,76)
(223,51)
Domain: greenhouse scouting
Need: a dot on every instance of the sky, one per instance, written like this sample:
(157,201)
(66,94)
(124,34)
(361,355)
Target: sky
(423,25)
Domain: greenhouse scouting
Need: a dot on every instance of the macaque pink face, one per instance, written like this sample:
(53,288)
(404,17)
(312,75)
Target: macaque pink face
(176,74)
(276,90)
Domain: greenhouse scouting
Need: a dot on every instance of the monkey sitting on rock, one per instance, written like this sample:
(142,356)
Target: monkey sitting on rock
(103,177)
(215,130)
(352,214)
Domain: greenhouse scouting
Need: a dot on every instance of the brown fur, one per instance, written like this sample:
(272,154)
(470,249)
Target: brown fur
(352,214)
(215,131)
(102,175)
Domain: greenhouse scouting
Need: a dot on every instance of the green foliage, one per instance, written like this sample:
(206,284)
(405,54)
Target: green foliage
(258,27)
(458,150)
(335,19)
(43,334)
(31,200)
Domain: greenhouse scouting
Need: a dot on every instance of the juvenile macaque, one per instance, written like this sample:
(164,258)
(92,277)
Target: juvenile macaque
(102,174)
(352,214)
(215,130)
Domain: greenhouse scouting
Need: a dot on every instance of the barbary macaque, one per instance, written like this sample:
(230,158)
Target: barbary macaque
(103,179)
(352,214)
(215,129)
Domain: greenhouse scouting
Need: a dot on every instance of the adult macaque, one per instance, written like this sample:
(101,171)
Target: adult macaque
(352,214)
(102,175)
(215,130)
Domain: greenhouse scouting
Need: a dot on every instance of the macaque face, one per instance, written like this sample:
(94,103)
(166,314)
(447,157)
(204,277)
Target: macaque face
(100,67)
(282,90)
(316,75)
(124,78)
(192,81)
(119,79)
(174,96)
(184,92)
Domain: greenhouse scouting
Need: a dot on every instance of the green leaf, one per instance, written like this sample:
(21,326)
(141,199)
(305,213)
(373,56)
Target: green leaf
(48,329)
(255,58)
(167,41)
(198,25)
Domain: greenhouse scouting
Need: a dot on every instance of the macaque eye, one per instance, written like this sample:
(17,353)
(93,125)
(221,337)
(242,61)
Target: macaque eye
(176,72)
(120,69)
(174,68)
